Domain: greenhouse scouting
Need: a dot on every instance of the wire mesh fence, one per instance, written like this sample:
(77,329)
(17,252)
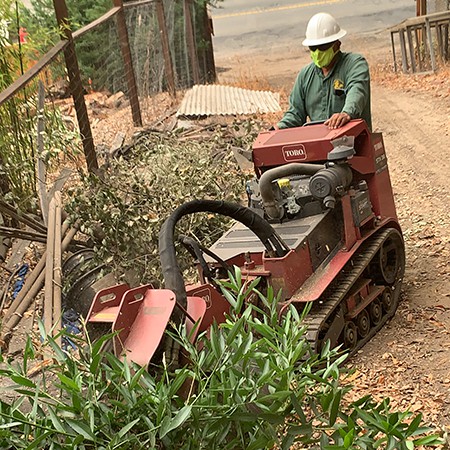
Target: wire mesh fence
(147,49)
(101,61)
(72,114)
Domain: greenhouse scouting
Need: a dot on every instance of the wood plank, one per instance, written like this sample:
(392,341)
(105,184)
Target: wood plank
(430,45)
(411,49)
(416,21)
(190,40)
(446,41)
(57,271)
(393,52)
(76,85)
(403,50)
(111,13)
(138,3)
(418,38)
(128,64)
(165,47)
(41,167)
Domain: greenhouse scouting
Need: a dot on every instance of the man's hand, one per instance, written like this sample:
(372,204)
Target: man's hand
(337,120)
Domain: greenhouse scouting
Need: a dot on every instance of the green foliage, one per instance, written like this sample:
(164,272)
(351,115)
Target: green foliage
(18,134)
(41,16)
(6,10)
(92,49)
(16,155)
(253,383)
(131,200)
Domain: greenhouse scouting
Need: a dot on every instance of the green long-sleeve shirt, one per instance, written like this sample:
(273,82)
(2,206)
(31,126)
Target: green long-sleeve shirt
(346,88)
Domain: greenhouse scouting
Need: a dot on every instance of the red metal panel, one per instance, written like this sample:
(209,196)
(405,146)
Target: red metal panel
(316,284)
(196,308)
(141,323)
(106,315)
(302,144)
(216,305)
(351,232)
(290,272)
(381,194)
(107,298)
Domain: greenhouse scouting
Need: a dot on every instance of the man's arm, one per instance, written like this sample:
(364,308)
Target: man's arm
(295,116)
(358,87)
(357,93)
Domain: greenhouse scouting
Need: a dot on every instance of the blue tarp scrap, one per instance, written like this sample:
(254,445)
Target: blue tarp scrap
(72,324)
(20,279)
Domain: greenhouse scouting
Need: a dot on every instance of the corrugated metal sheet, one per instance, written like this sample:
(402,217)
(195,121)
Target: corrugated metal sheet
(212,100)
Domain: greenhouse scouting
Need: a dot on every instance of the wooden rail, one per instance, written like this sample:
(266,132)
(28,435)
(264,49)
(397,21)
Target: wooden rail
(51,55)
(416,36)
(128,5)
(15,87)
(111,13)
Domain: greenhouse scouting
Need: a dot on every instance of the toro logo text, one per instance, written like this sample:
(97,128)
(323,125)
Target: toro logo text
(295,152)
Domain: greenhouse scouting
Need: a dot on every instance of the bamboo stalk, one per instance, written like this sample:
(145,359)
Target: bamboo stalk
(22,234)
(32,291)
(31,279)
(48,287)
(57,275)
(40,163)
(22,217)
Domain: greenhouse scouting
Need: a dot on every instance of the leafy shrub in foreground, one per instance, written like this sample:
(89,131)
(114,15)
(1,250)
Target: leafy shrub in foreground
(254,384)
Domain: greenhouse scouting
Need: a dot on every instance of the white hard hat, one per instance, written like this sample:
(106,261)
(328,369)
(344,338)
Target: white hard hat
(322,28)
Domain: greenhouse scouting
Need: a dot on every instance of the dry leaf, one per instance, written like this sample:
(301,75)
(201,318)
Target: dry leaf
(38,367)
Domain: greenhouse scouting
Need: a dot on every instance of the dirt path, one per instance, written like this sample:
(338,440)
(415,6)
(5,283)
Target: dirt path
(409,360)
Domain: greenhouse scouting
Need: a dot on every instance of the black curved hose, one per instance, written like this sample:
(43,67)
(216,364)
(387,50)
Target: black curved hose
(193,248)
(173,278)
(197,250)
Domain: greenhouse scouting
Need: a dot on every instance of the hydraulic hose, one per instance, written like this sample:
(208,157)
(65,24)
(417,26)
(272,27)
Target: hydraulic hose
(197,250)
(265,184)
(173,278)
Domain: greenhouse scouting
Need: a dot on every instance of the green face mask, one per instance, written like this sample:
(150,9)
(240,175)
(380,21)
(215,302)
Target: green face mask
(323,58)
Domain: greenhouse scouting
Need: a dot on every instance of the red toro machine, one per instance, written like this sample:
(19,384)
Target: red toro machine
(320,227)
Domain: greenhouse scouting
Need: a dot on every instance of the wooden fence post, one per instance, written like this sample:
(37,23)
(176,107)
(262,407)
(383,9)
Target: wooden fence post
(411,49)
(165,47)
(76,87)
(208,32)
(190,39)
(401,34)
(393,51)
(430,44)
(128,63)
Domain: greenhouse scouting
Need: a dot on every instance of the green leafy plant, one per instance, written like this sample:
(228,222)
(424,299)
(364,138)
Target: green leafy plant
(252,383)
(18,134)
